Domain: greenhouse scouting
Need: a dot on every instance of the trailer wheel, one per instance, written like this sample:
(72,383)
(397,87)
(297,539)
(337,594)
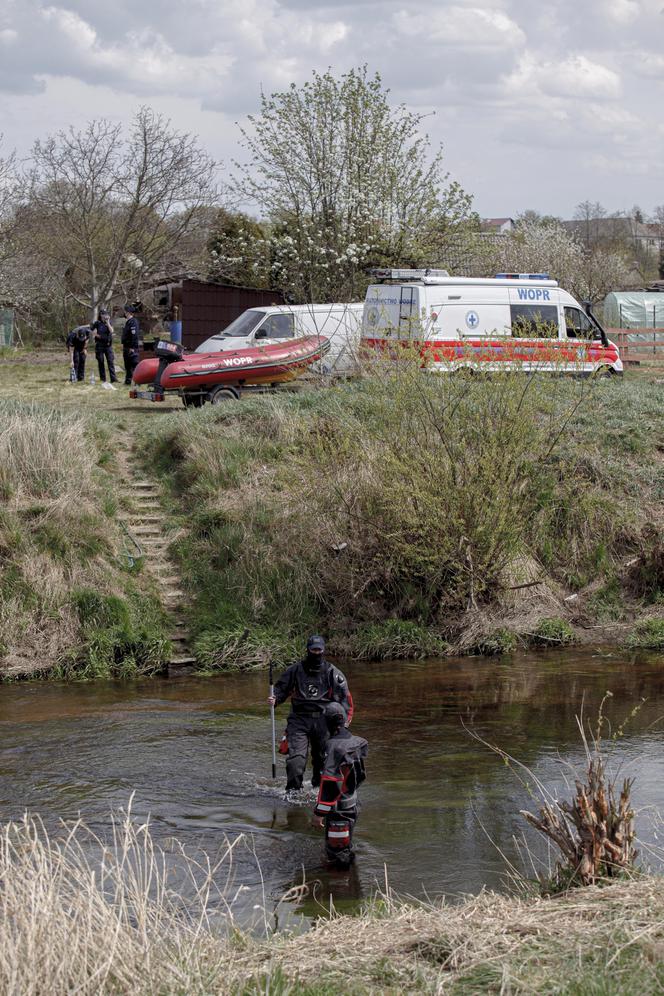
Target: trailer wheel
(603,373)
(221,394)
(193,400)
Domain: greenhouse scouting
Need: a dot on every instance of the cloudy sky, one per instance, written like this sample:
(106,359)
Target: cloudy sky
(538,105)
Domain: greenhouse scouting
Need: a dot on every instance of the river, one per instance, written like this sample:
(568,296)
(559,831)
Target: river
(437,804)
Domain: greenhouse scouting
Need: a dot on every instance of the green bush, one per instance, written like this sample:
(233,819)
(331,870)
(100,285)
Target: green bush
(553,631)
(122,637)
(393,639)
(648,635)
(404,496)
(237,648)
(500,641)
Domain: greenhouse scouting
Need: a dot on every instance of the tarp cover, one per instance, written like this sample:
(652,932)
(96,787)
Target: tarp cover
(634,310)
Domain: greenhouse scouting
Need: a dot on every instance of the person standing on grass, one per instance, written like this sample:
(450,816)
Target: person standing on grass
(77,344)
(130,342)
(343,773)
(311,684)
(103,339)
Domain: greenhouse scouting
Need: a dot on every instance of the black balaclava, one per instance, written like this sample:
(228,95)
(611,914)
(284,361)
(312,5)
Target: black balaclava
(313,662)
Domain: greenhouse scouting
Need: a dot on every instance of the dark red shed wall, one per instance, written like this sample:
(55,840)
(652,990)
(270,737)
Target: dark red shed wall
(209,308)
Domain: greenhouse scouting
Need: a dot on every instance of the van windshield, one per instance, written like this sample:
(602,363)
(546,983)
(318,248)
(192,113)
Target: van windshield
(243,325)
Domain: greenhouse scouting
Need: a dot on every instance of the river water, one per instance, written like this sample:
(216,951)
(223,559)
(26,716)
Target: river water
(437,805)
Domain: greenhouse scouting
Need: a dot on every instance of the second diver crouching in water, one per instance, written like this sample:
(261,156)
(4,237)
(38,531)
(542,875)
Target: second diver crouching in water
(343,772)
(312,684)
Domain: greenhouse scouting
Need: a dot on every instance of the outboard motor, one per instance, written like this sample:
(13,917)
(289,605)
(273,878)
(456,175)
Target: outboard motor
(167,352)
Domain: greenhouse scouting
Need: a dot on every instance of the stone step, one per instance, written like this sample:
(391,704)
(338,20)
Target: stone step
(144,519)
(187,661)
(144,486)
(147,531)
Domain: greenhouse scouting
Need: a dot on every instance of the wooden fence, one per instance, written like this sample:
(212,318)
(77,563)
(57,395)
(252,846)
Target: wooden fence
(639,346)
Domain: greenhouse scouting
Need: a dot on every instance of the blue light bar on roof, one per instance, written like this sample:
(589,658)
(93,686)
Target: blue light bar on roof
(522,276)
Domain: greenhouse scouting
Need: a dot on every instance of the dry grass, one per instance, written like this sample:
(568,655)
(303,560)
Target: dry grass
(83,915)
(43,454)
(58,537)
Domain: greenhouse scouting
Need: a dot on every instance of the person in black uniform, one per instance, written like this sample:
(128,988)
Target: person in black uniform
(77,344)
(343,772)
(103,338)
(130,342)
(311,685)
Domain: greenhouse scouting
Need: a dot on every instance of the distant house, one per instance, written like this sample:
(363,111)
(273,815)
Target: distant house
(497,226)
(650,237)
(646,236)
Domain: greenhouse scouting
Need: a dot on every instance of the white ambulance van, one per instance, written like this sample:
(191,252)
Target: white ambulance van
(515,320)
(340,323)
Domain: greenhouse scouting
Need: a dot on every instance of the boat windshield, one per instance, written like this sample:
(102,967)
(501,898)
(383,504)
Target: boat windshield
(243,326)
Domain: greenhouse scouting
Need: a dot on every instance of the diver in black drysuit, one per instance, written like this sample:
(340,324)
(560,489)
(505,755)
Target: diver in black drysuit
(343,772)
(311,684)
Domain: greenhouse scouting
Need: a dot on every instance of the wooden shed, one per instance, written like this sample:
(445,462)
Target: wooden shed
(205,308)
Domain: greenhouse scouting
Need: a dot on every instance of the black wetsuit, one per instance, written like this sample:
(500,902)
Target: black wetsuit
(310,687)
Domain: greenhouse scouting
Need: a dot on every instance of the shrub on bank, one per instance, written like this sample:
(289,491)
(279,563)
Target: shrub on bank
(392,639)
(648,635)
(496,643)
(404,497)
(552,632)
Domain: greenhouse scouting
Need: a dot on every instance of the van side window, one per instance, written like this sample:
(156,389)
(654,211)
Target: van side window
(278,327)
(534,321)
(578,325)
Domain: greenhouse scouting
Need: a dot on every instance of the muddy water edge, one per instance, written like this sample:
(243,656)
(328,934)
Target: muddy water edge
(437,804)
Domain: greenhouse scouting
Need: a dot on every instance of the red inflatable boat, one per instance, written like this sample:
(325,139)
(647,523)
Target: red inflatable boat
(202,375)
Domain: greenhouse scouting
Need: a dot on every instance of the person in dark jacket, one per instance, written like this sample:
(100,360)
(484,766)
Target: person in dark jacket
(343,773)
(102,333)
(77,344)
(130,342)
(311,684)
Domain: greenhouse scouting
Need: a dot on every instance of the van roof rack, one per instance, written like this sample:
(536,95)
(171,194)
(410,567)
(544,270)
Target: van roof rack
(387,273)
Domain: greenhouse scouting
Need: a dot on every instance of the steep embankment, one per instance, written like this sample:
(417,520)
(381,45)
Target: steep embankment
(73,599)
(409,515)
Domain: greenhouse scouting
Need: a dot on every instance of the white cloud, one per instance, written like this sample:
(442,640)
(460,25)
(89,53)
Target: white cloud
(649,65)
(621,11)
(575,77)
(551,77)
(454,26)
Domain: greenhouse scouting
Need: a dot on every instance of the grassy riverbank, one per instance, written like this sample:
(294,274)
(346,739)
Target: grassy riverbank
(407,515)
(403,515)
(70,923)
(71,602)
